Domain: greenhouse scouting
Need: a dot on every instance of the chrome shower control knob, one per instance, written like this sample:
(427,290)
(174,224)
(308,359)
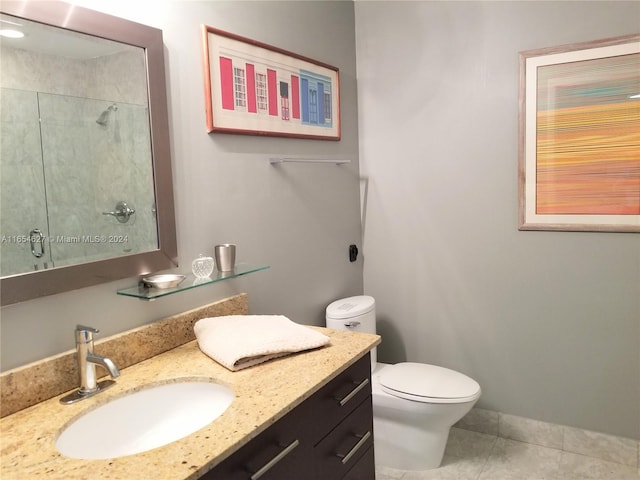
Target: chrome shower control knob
(123,212)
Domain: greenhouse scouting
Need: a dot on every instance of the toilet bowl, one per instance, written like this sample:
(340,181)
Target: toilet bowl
(414,404)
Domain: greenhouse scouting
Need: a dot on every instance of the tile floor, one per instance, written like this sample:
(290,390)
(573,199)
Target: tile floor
(480,456)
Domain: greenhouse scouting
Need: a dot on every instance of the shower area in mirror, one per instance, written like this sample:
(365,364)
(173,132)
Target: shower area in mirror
(76,180)
(76,170)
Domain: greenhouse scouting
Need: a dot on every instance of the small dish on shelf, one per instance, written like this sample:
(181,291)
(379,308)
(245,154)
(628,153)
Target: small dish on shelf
(168,280)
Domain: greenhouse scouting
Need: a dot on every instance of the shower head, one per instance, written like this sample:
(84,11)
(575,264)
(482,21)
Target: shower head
(104,116)
(102,119)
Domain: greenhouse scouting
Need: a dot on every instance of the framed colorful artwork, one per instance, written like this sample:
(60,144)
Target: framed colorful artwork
(579,139)
(253,88)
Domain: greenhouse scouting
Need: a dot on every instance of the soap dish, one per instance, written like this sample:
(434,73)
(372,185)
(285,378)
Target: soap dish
(163,281)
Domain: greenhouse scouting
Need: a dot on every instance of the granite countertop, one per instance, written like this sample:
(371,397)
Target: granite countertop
(264,394)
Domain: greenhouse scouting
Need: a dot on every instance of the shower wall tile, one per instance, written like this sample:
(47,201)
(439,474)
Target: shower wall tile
(46,73)
(120,77)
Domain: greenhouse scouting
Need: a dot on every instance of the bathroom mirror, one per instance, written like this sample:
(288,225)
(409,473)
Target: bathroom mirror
(86,184)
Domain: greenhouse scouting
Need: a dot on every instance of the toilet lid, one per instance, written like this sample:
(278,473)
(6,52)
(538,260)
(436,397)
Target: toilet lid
(428,383)
(350,307)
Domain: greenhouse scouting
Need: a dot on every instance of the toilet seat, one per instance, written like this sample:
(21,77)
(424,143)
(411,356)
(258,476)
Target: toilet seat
(428,383)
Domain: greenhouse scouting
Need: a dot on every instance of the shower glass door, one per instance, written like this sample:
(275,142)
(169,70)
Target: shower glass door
(96,154)
(24,230)
(79,157)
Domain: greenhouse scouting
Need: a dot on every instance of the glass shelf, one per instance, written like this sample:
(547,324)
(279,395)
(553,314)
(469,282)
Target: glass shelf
(147,293)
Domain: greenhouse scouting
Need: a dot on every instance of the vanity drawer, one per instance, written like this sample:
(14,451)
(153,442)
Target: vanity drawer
(282,452)
(341,396)
(364,469)
(341,450)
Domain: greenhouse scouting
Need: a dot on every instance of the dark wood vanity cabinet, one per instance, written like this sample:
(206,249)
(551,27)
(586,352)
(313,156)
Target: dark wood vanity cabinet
(327,437)
(283,444)
(343,426)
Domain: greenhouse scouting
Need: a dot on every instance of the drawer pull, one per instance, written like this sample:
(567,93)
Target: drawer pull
(271,463)
(356,447)
(353,392)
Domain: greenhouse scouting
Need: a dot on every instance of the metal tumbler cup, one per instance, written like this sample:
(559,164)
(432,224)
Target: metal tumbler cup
(225,255)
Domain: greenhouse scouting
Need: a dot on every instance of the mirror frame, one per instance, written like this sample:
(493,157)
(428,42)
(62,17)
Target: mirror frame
(30,285)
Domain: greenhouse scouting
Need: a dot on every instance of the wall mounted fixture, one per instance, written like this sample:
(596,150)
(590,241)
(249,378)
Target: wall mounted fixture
(123,212)
(104,116)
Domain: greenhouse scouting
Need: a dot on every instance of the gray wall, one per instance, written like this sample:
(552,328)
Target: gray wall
(547,322)
(299,219)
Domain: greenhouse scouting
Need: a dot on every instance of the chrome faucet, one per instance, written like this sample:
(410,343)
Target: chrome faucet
(87,361)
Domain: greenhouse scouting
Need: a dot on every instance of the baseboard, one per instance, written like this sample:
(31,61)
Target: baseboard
(621,450)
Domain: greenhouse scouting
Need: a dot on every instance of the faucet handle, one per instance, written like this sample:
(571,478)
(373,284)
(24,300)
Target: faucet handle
(85,334)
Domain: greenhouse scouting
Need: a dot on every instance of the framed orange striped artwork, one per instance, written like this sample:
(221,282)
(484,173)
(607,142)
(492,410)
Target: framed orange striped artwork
(579,137)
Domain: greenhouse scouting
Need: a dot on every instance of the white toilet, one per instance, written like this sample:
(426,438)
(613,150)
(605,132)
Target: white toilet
(414,404)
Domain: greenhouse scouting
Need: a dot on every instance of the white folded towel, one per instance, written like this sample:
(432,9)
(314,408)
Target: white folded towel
(241,341)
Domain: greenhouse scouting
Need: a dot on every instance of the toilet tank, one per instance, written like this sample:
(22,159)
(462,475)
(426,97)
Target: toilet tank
(357,314)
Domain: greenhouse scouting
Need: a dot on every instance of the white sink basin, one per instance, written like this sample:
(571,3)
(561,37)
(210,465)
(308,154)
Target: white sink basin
(146,419)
